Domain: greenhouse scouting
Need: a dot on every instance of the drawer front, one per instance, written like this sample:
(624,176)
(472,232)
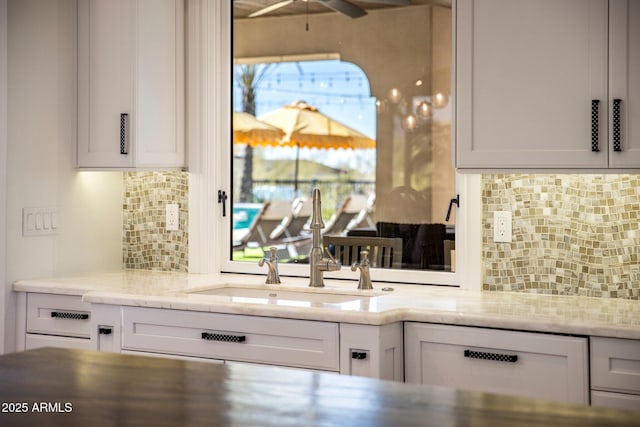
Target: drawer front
(36,341)
(606,399)
(173,356)
(518,363)
(284,342)
(615,364)
(64,315)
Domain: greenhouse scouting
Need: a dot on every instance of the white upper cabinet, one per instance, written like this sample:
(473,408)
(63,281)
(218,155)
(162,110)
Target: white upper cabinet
(624,83)
(536,83)
(131,84)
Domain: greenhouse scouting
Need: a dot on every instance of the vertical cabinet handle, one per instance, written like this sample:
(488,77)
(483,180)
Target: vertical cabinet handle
(616,125)
(595,104)
(124,133)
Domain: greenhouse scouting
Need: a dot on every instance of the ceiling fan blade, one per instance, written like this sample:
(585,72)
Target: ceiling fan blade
(344,7)
(389,2)
(271,8)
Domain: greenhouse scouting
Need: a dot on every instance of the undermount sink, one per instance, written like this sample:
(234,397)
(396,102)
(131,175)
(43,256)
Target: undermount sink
(284,297)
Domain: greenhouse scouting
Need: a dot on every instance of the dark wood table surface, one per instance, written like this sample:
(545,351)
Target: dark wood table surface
(59,387)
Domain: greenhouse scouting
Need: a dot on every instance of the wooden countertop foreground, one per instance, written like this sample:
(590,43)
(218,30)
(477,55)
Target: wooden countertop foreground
(79,388)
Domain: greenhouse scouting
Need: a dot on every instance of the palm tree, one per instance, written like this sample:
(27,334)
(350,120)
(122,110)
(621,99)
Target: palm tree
(248,78)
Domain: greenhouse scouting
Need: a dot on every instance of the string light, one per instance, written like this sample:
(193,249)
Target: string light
(395,95)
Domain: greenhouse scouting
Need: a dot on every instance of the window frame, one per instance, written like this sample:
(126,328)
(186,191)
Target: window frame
(209,79)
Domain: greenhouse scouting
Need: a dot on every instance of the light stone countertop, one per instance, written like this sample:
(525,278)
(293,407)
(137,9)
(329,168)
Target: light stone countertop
(506,310)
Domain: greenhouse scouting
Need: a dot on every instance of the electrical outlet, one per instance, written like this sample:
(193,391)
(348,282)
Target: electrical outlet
(172,217)
(502,227)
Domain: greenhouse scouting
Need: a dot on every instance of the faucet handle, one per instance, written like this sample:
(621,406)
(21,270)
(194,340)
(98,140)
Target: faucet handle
(330,255)
(364,261)
(274,253)
(273,276)
(365,276)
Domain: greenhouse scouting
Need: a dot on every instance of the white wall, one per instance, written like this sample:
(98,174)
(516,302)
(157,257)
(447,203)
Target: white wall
(40,137)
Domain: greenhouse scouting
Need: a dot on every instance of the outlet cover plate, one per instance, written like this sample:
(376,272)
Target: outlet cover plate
(172,217)
(502,232)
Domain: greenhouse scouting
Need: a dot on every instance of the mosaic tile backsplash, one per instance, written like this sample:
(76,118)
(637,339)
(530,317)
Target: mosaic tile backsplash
(572,234)
(146,244)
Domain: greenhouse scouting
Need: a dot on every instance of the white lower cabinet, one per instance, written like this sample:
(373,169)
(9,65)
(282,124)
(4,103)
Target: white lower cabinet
(350,349)
(283,342)
(527,364)
(372,351)
(615,373)
(50,320)
(54,321)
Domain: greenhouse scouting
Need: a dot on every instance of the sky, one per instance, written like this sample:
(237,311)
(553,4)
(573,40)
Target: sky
(338,89)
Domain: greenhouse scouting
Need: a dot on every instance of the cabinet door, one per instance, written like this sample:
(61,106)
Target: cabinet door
(526,74)
(624,82)
(131,84)
(106,48)
(159,84)
(516,363)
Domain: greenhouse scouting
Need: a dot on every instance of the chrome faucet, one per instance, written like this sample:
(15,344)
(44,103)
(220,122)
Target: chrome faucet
(318,262)
(273,277)
(365,276)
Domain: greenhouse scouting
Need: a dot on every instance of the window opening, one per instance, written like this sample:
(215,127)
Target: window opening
(390,182)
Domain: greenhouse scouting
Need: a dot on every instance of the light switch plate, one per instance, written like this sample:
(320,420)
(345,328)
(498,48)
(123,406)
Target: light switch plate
(502,232)
(172,218)
(39,221)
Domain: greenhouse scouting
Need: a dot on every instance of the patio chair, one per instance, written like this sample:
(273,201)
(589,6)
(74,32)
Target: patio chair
(274,214)
(292,228)
(384,252)
(346,216)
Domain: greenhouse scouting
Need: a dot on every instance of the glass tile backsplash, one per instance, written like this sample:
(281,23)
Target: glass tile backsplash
(146,243)
(572,234)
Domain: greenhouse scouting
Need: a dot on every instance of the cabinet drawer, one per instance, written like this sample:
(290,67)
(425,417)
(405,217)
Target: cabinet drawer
(285,342)
(508,362)
(64,315)
(606,399)
(615,364)
(36,341)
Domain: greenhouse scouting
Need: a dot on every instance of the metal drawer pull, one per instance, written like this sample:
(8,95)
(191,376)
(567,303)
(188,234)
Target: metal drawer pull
(616,125)
(511,358)
(223,337)
(594,124)
(124,133)
(69,315)
(359,355)
(105,331)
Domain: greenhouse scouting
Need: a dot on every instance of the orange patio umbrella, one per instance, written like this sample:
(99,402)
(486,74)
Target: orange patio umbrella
(306,127)
(249,130)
